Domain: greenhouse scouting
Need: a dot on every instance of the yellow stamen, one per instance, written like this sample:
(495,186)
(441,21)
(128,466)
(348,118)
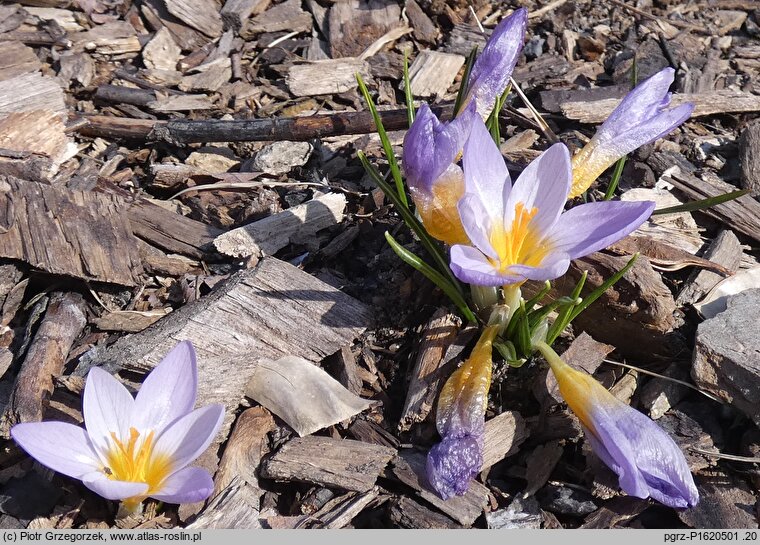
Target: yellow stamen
(136,461)
(521,245)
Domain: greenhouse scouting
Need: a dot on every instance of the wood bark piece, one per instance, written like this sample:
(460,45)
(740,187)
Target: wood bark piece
(202,15)
(236,12)
(270,311)
(161,52)
(709,103)
(16,59)
(503,436)
(64,320)
(725,502)
(339,463)
(409,468)
(437,336)
(40,137)
(339,513)
(325,77)
(749,155)
(209,77)
(31,92)
(407,513)
(81,234)
(725,250)
(158,16)
(424,29)
(233,508)
(302,394)
(433,72)
(294,225)
(285,16)
(355,24)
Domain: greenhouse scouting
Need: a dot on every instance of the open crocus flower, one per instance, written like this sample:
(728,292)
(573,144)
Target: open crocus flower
(645,458)
(431,150)
(460,419)
(640,118)
(520,233)
(134,448)
(492,69)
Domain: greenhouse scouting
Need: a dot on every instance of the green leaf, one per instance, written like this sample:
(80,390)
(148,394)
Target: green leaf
(430,244)
(615,178)
(465,80)
(563,319)
(389,155)
(702,204)
(493,119)
(432,275)
(533,301)
(597,293)
(408,91)
(524,344)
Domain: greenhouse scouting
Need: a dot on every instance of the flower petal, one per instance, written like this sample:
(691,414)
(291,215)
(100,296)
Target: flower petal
(188,485)
(477,223)
(99,483)
(485,172)
(492,69)
(590,227)
(553,266)
(644,101)
(543,184)
(108,407)
(168,391)
(185,440)
(470,265)
(62,447)
(431,146)
(453,463)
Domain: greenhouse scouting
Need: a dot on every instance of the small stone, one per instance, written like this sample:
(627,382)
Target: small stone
(281,157)
(534,47)
(562,500)
(725,361)
(521,513)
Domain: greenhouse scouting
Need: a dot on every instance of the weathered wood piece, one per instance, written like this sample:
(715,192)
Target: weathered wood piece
(236,12)
(285,16)
(614,512)
(270,311)
(161,52)
(329,76)
(202,15)
(16,59)
(294,225)
(74,233)
(339,513)
(209,76)
(130,321)
(503,436)
(409,468)
(725,502)
(433,72)
(663,255)
(424,29)
(302,394)
(749,155)
(232,508)
(725,250)
(709,103)
(64,320)
(407,513)
(31,92)
(339,463)
(437,336)
(356,24)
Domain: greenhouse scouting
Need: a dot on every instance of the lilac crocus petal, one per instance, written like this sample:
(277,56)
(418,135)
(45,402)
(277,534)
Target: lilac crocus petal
(590,227)
(62,447)
(492,69)
(110,489)
(188,437)
(453,463)
(485,173)
(431,146)
(641,117)
(168,392)
(188,485)
(107,408)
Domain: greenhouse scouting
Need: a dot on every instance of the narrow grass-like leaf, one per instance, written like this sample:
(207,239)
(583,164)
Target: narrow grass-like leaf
(597,293)
(493,119)
(615,178)
(389,155)
(408,91)
(563,319)
(434,276)
(465,80)
(432,247)
(702,204)
(536,299)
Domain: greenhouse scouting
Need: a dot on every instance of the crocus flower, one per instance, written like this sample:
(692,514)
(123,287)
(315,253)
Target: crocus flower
(645,458)
(492,69)
(431,149)
(134,448)
(641,117)
(520,233)
(460,419)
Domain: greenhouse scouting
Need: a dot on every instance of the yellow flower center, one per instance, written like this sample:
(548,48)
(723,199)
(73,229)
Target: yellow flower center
(521,245)
(135,461)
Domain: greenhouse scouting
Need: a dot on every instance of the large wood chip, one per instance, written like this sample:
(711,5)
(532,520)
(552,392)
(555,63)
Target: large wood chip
(81,234)
(725,502)
(433,72)
(16,59)
(339,463)
(236,12)
(202,15)
(503,436)
(161,52)
(325,77)
(355,24)
(287,16)
(31,92)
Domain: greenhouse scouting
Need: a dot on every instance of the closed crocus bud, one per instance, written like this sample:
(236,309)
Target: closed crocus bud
(431,150)
(647,461)
(460,419)
(642,117)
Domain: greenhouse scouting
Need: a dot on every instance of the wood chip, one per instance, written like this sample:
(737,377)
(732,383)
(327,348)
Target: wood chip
(16,59)
(294,225)
(432,73)
(81,234)
(407,513)
(161,52)
(726,250)
(722,503)
(202,15)
(236,12)
(130,321)
(285,16)
(233,508)
(31,92)
(209,77)
(330,76)
(424,29)
(503,436)
(355,24)
(339,463)
(181,103)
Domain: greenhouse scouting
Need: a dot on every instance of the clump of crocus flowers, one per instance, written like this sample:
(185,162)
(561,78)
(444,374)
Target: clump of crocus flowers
(502,235)
(133,448)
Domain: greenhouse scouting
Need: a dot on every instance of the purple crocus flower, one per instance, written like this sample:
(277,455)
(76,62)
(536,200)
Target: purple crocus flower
(642,117)
(460,419)
(431,150)
(134,448)
(521,233)
(492,69)
(645,458)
